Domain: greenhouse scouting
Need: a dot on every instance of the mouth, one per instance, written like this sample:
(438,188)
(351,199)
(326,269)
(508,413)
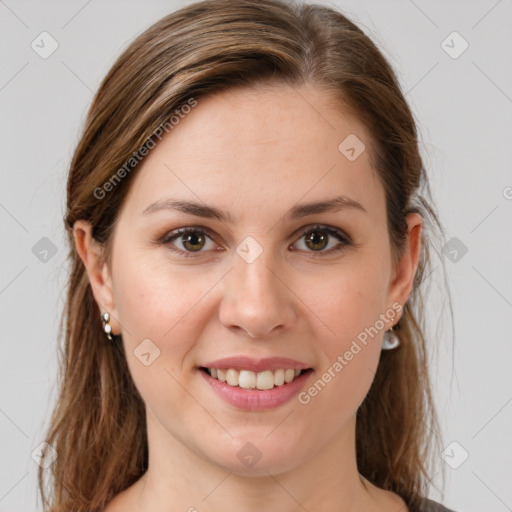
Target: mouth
(255,391)
(247,379)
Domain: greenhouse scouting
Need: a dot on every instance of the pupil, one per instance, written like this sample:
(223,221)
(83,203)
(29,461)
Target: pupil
(317,238)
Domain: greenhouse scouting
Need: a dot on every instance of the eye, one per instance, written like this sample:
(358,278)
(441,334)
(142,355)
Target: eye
(317,238)
(192,240)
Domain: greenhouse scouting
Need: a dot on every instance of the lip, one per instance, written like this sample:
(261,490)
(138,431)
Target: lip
(256,400)
(256,365)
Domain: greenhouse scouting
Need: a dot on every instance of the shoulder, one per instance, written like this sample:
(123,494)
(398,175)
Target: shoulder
(427,505)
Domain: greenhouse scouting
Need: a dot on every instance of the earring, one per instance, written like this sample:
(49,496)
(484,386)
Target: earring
(390,340)
(105,317)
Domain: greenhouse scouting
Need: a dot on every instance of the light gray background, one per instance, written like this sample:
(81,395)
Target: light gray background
(464,109)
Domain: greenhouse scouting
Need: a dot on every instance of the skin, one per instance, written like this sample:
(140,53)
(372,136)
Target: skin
(254,153)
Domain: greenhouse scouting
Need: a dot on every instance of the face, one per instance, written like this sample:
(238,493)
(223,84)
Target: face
(263,279)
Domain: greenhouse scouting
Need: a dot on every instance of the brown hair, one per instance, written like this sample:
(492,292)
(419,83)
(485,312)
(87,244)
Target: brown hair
(98,424)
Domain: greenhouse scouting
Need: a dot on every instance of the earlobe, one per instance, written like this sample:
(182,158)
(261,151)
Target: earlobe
(92,255)
(405,271)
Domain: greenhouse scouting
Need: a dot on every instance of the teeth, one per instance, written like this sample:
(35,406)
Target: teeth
(247,379)
(289,375)
(265,380)
(232,377)
(279,377)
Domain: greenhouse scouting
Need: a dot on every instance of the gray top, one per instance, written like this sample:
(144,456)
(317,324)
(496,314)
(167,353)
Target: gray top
(432,506)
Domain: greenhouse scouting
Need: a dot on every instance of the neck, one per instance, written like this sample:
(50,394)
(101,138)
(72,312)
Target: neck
(180,479)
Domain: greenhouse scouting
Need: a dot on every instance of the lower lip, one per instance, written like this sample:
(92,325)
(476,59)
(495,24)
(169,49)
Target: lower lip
(254,399)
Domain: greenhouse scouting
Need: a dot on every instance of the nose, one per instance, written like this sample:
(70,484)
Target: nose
(257,299)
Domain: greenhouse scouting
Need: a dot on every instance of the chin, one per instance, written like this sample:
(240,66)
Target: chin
(257,455)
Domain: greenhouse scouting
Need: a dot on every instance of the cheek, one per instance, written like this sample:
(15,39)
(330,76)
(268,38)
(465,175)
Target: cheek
(353,302)
(351,308)
(349,357)
(160,313)
(152,295)
(159,302)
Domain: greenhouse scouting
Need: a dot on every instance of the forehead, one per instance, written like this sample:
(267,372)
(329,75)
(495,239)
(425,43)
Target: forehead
(247,150)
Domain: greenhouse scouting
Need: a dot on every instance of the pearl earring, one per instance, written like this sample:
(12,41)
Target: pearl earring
(390,340)
(105,317)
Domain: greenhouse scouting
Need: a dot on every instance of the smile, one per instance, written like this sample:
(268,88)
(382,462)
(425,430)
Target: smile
(247,379)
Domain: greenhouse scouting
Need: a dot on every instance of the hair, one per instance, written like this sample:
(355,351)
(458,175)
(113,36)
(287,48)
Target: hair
(98,424)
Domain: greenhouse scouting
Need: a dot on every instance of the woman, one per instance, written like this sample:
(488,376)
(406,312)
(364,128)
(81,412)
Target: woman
(248,240)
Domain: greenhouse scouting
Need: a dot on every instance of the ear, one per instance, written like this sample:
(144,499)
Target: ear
(403,276)
(92,255)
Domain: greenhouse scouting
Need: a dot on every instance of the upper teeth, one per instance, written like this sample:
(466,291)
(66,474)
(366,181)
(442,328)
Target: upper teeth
(247,379)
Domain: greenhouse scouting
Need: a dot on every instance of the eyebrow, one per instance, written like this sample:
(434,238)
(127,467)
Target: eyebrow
(297,212)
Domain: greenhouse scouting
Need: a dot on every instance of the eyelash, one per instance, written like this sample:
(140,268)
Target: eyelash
(344,239)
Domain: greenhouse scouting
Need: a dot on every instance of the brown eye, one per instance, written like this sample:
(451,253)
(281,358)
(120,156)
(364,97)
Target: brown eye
(194,241)
(190,241)
(316,240)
